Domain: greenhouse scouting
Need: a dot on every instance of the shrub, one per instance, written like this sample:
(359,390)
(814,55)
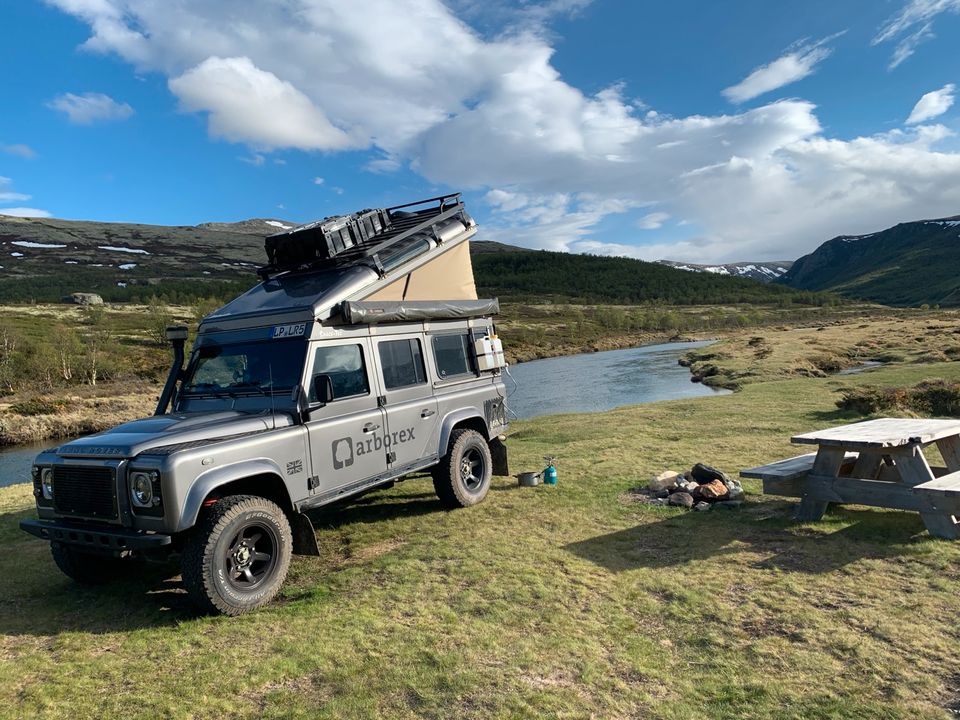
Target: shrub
(931,397)
(38,406)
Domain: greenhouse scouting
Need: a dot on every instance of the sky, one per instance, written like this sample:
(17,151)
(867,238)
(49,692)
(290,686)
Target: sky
(686,130)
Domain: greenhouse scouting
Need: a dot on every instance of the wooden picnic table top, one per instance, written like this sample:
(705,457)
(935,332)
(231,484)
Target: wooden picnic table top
(882,433)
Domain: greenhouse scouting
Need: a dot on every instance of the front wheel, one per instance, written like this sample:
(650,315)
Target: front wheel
(462,478)
(237,558)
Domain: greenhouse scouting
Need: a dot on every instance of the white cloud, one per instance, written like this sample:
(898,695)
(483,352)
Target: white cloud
(318,181)
(25,212)
(795,65)
(255,159)
(933,104)
(247,104)
(497,117)
(653,221)
(20,150)
(917,14)
(7,195)
(90,108)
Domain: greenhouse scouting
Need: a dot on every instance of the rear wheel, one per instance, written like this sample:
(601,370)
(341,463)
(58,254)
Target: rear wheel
(237,558)
(462,478)
(89,568)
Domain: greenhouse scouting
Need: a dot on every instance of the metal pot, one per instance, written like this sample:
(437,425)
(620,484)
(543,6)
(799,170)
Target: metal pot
(528,479)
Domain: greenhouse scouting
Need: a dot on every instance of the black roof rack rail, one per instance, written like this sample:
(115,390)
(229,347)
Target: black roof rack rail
(360,238)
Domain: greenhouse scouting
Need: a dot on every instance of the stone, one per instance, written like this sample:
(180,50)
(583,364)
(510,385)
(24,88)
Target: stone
(663,481)
(729,504)
(661,493)
(713,490)
(702,506)
(658,501)
(705,473)
(681,499)
(688,476)
(690,487)
(734,492)
(80,298)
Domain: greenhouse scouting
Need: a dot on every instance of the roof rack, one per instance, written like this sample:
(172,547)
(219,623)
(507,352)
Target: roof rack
(368,237)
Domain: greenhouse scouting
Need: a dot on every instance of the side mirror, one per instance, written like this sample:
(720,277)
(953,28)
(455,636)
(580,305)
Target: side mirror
(323,389)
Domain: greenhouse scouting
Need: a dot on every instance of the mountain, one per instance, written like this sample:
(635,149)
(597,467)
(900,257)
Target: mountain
(761,271)
(45,259)
(909,264)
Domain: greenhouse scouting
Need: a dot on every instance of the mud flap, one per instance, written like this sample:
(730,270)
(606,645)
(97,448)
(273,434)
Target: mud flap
(304,537)
(498,453)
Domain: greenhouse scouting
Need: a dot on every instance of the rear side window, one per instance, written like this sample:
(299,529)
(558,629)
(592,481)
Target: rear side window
(452,355)
(344,364)
(402,363)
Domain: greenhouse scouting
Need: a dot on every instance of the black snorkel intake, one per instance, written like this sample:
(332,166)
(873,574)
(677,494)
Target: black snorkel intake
(177,335)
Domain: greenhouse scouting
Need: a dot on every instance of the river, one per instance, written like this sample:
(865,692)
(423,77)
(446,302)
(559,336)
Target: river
(593,382)
(574,383)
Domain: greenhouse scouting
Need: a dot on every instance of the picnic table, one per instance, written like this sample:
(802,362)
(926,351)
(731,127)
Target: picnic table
(879,463)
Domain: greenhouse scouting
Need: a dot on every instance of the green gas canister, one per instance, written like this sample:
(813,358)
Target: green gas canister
(550,472)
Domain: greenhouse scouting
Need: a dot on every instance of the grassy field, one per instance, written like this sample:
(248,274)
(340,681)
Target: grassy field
(565,602)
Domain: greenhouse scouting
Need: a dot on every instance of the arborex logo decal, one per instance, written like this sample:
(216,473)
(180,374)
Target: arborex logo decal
(342,453)
(346,448)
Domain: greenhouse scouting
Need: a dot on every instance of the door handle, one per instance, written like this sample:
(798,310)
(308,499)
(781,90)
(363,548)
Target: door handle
(370,427)
(427,413)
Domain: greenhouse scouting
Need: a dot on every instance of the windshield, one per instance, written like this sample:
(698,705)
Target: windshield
(260,367)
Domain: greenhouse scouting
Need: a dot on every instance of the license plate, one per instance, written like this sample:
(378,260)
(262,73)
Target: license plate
(285,331)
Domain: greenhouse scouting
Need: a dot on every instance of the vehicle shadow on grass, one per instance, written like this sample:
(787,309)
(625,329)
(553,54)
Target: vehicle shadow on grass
(845,536)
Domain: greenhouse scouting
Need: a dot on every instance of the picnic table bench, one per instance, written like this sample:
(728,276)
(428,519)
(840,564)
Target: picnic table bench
(879,463)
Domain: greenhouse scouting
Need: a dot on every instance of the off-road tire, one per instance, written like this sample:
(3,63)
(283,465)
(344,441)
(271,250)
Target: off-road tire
(88,568)
(462,477)
(220,566)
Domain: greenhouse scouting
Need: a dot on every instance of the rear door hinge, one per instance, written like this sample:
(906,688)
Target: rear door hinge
(391,457)
(381,400)
(313,482)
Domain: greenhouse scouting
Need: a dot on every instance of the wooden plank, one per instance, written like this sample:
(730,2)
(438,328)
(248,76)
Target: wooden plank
(785,487)
(868,465)
(915,471)
(944,484)
(950,449)
(782,469)
(882,433)
(827,464)
(861,491)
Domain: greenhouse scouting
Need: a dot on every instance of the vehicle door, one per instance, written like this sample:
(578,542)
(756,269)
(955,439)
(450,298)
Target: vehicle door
(408,399)
(346,434)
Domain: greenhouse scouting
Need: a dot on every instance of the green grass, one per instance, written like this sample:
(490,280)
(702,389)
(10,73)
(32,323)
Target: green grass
(567,602)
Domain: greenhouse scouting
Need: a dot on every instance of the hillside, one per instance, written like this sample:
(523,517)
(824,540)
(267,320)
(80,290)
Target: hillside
(911,263)
(45,259)
(760,271)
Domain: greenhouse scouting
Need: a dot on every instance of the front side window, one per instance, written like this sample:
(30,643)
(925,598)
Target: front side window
(343,364)
(452,355)
(245,368)
(402,363)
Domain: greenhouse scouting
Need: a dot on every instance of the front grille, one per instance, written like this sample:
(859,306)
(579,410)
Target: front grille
(84,491)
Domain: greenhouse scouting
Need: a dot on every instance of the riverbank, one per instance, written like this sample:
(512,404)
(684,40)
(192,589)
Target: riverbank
(569,601)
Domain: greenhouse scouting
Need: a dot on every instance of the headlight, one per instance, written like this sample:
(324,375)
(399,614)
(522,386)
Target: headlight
(46,483)
(141,488)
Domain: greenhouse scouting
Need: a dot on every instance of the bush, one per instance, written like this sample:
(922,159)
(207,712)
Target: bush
(931,397)
(38,406)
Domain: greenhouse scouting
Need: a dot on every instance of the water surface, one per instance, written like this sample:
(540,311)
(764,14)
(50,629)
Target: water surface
(593,382)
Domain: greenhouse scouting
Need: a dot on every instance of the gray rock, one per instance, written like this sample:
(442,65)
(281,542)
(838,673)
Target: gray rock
(690,487)
(735,493)
(661,493)
(663,481)
(705,473)
(702,506)
(658,501)
(681,499)
(729,504)
(80,298)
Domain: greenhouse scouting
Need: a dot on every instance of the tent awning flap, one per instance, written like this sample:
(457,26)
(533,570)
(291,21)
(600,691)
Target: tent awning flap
(372,312)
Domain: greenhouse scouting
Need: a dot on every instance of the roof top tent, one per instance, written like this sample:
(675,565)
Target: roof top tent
(408,262)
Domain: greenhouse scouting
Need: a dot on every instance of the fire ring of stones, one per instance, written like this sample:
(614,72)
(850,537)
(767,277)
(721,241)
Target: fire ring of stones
(700,488)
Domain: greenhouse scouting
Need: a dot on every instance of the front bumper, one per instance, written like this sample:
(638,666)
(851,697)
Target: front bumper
(94,537)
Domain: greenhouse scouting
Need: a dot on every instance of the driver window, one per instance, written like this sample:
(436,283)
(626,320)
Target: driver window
(344,365)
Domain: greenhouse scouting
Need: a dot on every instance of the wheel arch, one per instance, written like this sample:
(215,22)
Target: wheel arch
(468,419)
(259,477)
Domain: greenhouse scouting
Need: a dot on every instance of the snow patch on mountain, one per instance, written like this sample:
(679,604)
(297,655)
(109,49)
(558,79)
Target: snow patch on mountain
(760,271)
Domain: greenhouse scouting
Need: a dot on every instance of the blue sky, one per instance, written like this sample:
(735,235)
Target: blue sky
(685,130)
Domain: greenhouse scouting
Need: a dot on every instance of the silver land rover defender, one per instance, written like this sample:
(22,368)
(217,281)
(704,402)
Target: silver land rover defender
(362,356)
